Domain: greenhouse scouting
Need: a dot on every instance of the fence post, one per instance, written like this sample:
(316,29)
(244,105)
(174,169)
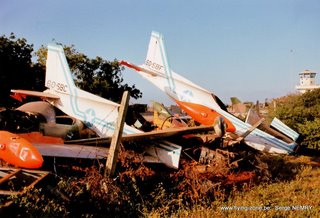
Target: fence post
(116,138)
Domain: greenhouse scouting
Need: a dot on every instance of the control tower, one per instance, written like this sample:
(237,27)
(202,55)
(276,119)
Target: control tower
(307,81)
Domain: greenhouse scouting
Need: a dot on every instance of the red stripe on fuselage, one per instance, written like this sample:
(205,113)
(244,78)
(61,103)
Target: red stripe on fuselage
(203,114)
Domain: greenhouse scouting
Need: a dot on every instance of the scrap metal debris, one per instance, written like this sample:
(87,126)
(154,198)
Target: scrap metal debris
(208,162)
(14,181)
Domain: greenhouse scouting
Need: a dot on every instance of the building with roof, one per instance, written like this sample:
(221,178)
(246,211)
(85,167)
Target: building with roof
(307,81)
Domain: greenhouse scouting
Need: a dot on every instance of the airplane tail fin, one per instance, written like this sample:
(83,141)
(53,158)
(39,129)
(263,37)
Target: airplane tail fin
(162,111)
(58,75)
(237,106)
(156,59)
(283,128)
(235,100)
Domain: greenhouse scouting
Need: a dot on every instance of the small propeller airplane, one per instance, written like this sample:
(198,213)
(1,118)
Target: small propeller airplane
(97,113)
(199,103)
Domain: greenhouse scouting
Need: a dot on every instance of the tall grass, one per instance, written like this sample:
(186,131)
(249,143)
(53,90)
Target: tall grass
(292,191)
(298,197)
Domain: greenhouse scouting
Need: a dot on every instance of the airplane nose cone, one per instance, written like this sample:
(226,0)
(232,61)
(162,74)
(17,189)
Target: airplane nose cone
(19,151)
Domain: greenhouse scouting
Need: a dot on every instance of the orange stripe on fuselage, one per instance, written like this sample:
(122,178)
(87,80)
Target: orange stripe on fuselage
(203,114)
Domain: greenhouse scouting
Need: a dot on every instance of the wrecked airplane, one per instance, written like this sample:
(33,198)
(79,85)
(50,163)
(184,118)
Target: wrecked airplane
(97,113)
(201,104)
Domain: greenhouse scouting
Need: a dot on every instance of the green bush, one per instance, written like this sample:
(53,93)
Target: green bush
(302,113)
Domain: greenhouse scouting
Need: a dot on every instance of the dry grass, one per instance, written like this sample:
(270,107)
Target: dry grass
(291,188)
(297,197)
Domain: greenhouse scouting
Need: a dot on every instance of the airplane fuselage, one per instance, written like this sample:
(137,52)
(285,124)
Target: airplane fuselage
(19,151)
(198,102)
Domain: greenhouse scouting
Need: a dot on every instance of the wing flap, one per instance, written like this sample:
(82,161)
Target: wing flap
(72,151)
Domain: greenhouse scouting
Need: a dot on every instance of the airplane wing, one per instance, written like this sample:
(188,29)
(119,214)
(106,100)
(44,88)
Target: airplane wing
(71,151)
(164,152)
(161,151)
(86,152)
(51,146)
(146,136)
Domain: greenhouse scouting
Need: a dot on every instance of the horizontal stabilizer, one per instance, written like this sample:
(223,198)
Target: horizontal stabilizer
(35,93)
(137,68)
(283,128)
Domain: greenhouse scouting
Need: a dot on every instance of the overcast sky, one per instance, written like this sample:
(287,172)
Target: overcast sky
(246,48)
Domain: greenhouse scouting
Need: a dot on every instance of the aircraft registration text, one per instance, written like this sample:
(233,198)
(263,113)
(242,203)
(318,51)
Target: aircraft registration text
(57,86)
(153,65)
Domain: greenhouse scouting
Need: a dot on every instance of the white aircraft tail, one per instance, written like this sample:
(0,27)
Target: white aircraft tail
(156,57)
(157,66)
(96,112)
(58,74)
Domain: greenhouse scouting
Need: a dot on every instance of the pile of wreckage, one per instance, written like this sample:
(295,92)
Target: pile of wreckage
(72,123)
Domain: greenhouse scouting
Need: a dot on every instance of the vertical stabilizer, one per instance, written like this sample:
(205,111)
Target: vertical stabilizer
(157,61)
(58,74)
(157,57)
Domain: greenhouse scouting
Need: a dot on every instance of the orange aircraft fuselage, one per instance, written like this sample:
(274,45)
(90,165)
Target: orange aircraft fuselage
(203,114)
(19,151)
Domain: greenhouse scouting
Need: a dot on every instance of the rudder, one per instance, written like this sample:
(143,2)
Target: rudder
(58,74)
(156,59)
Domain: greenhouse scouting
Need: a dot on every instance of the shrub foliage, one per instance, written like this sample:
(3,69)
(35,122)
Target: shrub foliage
(302,113)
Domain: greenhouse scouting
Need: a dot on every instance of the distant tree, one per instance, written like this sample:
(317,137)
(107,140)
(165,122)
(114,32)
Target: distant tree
(310,132)
(16,68)
(17,71)
(302,113)
(97,75)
